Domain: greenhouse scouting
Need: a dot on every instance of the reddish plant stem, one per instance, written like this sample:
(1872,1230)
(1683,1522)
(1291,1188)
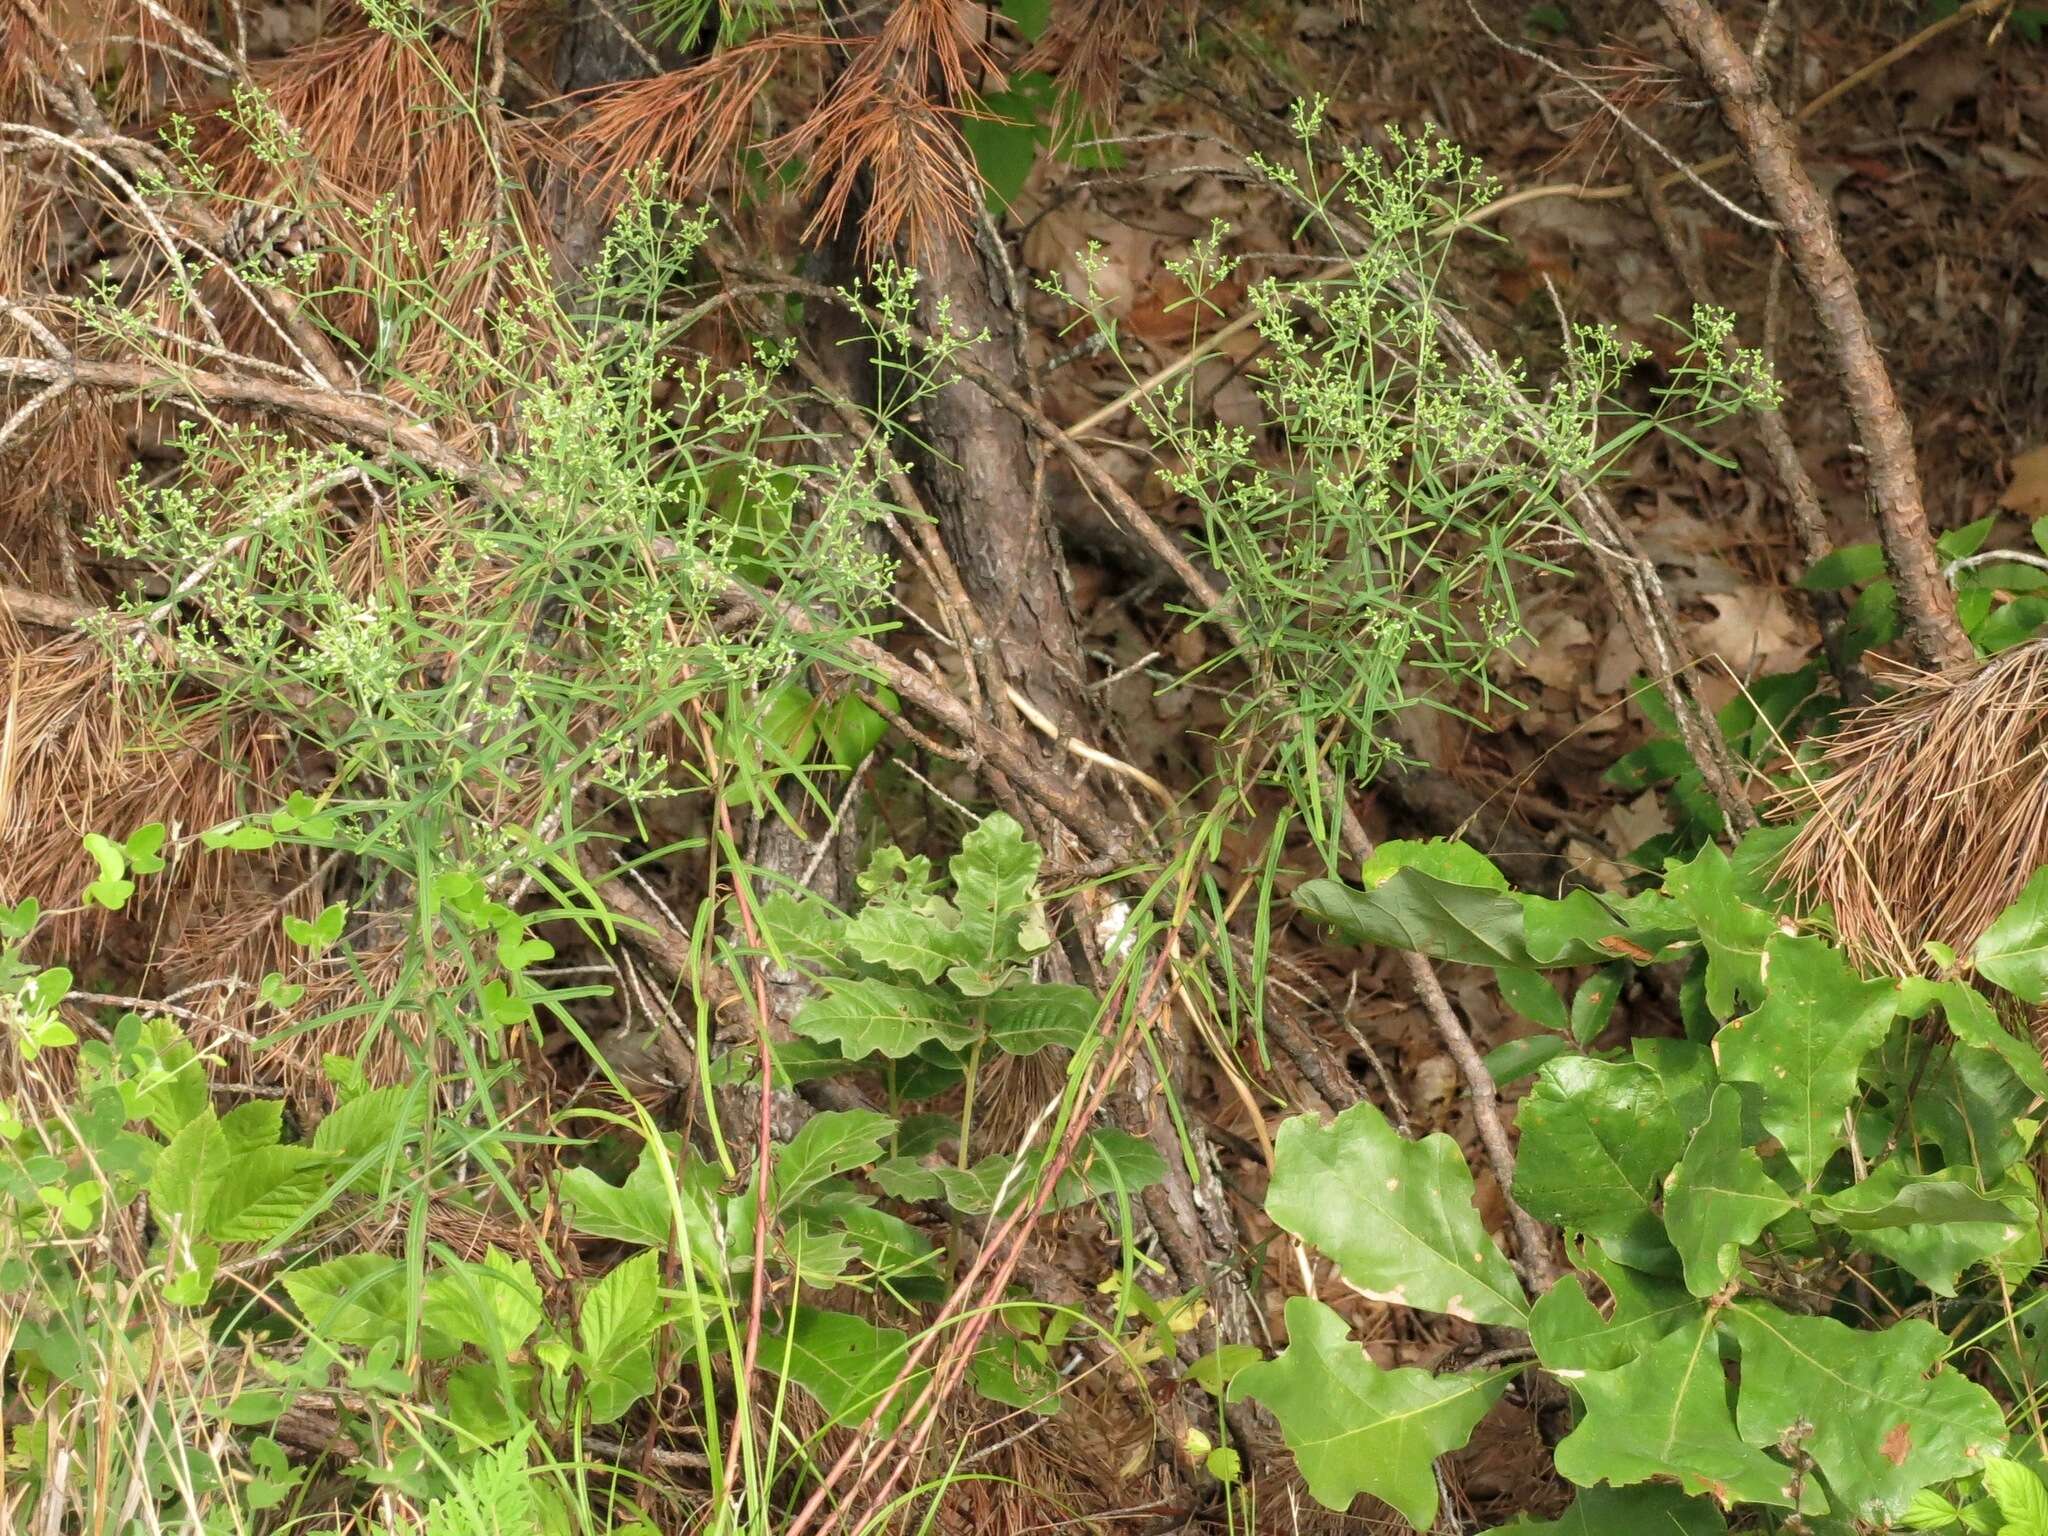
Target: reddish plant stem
(1815,250)
(1007,1240)
(743,1419)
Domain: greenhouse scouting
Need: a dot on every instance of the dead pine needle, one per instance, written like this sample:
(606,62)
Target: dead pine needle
(1931,810)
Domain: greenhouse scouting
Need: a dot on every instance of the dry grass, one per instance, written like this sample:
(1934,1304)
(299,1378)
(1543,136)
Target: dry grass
(1933,811)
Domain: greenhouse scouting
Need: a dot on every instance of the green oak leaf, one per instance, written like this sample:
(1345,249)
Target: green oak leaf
(2013,952)
(830,1143)
(1596,1138)
(1666,1414)
(1355,1428)
(1974,1023)
(1026,1017)
(1872,1408)
(1652,1509)
(1719,1197)
(1969,1103)
(995,879)
(844,1362)
(1570,1335)
(864,1017)
(903,939)
(1439,899)
(1802,1047)
(1396,1216)
(1733,933)
(1935,1226)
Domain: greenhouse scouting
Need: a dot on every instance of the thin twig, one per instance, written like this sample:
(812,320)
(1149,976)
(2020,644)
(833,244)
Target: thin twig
(1815,250)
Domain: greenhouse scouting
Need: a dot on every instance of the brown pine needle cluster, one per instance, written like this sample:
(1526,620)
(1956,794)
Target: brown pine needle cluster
(1088,44)
(692,122)
(1933,812)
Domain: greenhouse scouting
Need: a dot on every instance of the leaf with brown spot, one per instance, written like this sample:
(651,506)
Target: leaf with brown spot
(1843,1384)
(1898,1441)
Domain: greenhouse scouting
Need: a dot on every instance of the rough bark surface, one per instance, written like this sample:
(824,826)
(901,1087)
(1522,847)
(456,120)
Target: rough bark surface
(1815,249)
(978,480)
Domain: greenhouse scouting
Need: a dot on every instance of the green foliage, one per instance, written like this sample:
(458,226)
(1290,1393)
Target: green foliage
(1355,1428)
(1396,1216)
(1813,1124)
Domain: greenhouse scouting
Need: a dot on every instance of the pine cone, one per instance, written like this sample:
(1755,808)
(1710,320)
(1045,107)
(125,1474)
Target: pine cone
(273,236)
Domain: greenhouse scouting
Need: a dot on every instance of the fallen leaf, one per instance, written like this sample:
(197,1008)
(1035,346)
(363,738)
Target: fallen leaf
(1753,630)
(2028,494)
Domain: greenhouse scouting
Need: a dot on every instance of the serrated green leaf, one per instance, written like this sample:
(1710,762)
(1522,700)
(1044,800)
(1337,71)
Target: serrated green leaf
(256,1123)
(1929,1511)
(614,1336)
(1649,1510)
(356,1299)
(864,1017)
(188,1171)
(1719,1198)
(845,1363)
(1354,1428)
(1596,1138)
(1026,1017)
(2022,1501)
(830,1143)
(1397,1217)
(1870,1407)
(264,1191)
(1665,1415)
(365,1124)
(2013,952)
(494,1305)
(1803,1046)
